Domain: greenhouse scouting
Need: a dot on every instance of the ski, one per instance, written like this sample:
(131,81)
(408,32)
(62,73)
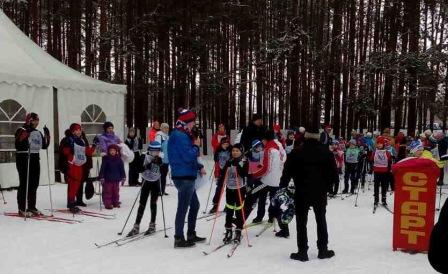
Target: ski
(254,224)
(207,215)
(266,227)
(45,218)
(139,237)
(214,249)
(118,240)
(232,250)
(347,196)
(213,217)
(388,208)
(87,213)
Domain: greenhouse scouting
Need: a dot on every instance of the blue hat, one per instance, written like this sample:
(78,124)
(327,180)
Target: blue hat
(415,146)
(256,143)
(154,146)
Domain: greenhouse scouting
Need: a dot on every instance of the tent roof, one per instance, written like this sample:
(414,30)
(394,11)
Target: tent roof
(23,62)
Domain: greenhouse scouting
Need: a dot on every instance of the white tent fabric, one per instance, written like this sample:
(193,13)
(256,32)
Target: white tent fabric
(28,75)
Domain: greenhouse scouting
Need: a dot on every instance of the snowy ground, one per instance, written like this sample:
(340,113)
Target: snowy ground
(362,241)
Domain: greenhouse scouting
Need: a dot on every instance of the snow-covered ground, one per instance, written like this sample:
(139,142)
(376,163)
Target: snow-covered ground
(362,242)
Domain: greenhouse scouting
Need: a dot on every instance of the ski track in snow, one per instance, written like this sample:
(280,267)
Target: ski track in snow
(362,242)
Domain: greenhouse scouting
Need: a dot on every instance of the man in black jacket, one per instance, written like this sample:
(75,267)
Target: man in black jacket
(313,169)
(254,131)
(438,244)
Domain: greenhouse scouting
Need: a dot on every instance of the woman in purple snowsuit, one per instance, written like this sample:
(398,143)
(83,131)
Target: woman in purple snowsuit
(108,138)
(111,175)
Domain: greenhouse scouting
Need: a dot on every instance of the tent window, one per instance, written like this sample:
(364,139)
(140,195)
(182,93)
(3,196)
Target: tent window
(92,120)
(12,116)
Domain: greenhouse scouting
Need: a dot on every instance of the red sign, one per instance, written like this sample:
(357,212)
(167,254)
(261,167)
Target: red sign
(414,206)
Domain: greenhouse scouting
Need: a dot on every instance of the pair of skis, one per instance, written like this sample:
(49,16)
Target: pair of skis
(229,254)
(88,213)
(126,240)
(375,207)
(43,217)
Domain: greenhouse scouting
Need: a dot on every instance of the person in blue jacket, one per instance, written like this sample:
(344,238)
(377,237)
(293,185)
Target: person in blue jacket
(183,152)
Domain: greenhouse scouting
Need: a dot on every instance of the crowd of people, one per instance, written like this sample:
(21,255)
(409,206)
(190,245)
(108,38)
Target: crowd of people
(296,169)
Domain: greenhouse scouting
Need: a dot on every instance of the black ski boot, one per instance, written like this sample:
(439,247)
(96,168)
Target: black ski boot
(283,233)
(300,256)
(214,209)
(257,220)
(151,229)
(135,230)
(179,242)
(193,238)
(237,239)
(81,203)
(228,236)
(28,214)
(35,212)
(325,254)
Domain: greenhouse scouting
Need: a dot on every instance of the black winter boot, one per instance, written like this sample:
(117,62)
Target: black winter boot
(282,233)
(300,256)
(135,230)
(237,239)
(214,208)
(179,242)
(192,237)
(228,236)
(151,229)
(325,254)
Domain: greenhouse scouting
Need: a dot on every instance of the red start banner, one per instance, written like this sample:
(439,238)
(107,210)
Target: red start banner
(414,204)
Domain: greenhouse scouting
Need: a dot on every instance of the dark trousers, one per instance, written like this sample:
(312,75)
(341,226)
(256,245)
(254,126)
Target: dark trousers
(302,209)
(381,179)
(278,215)
(261,195)
(134,170)
(217,191)
(152,188)
(164,173)
(33,184)
(187,201)
(235,207)
(351,173)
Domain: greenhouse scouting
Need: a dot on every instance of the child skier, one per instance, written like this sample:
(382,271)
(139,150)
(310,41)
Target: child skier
(135,144)
(151,184)
(289,143)
(234,176)
(352,155)
(221,156)
(339,159)
(111,175)
(283,206)
(382,160)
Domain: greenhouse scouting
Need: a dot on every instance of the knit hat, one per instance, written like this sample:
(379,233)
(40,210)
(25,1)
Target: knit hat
(239,146)
(276,127)
(74,127)
(107,125)
(154,146)
(256,143)
(369,135)
(422,135)
(428,132)
(164,125)
(327,126)
(269,135)
(301,129)
(415,146)
(256,117)
(381,140)
(114,146)
(313,133)
(352,142)
(439,135)
(335,142)
(31,116)
(224,140)
(187,116)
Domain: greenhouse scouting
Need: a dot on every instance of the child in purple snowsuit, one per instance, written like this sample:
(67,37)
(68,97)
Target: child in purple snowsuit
(107,138)
(111,174)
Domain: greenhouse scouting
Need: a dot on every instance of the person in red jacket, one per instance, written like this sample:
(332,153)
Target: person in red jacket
(218,136)
(75,151)
(279,135)
(382,160)
(154,129)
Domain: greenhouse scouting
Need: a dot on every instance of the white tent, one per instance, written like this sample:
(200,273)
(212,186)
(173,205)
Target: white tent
(33,81)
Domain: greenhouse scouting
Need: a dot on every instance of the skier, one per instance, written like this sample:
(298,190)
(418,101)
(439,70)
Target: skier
(74,150)
(352,157)
(234,176)
(313,169)
(221,156)
(135,144)
(29,141)
(111,175)
(183,152)
(162,137)
(382,160)
(218,136)
(151,185)
(289,142)
(107,138)
(283,206)
(339,159)
(154,129)
(279,135)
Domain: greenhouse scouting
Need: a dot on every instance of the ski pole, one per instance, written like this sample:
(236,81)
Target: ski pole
(99,183)
(163,209)
(27,179)
(49,182)
(440,197)
(210,190)
(219,203)
(3,196)
(242,209)
(132,208)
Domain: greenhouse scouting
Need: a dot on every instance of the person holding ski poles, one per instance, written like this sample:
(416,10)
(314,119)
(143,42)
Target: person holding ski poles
(221,156)
(183,152)
(28,143)
(151,185)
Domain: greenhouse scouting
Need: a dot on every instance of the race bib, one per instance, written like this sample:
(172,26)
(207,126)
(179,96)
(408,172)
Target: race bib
(79,158)
(380,158)
(35,140)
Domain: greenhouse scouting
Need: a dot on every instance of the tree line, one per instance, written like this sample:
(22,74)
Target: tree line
(355,64)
